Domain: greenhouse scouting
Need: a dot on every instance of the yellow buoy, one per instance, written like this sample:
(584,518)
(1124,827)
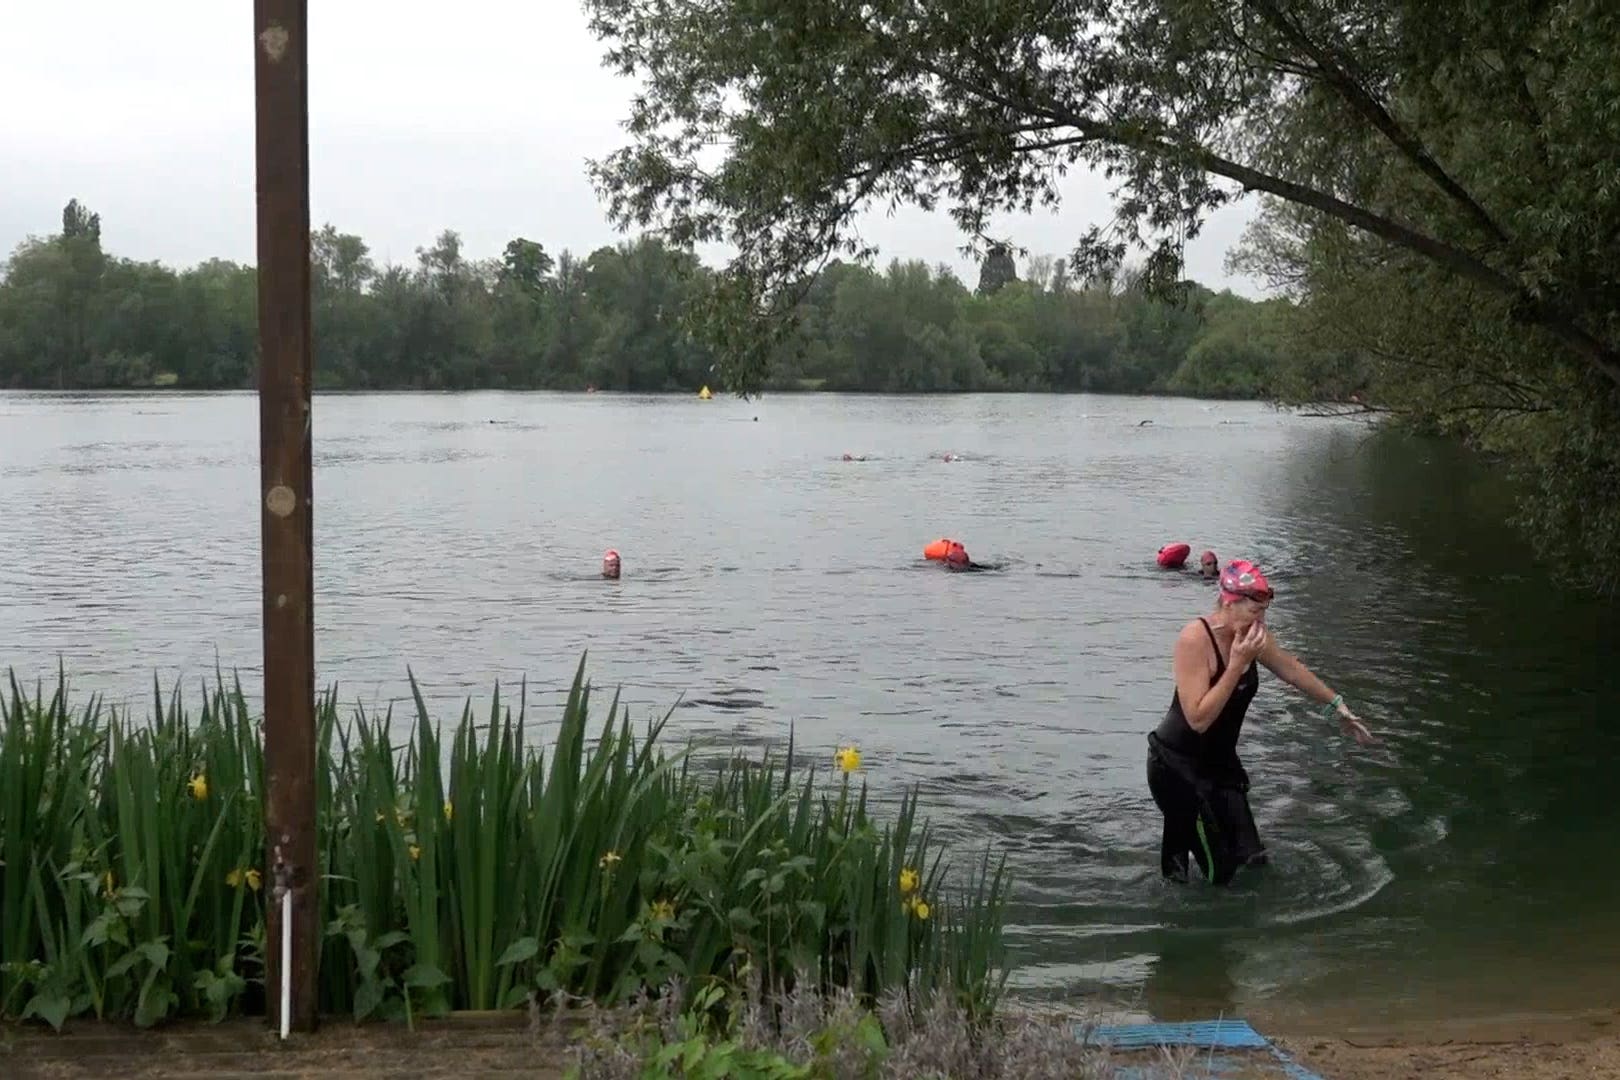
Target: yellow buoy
(704,394)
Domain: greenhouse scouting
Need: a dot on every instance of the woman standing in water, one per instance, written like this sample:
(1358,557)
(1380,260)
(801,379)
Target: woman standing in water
(1193,769)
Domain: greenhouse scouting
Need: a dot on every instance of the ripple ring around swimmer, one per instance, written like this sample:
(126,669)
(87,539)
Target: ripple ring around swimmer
(1361,879)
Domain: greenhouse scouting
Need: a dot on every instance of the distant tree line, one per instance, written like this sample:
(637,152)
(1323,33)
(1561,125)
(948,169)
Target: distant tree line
(73,316)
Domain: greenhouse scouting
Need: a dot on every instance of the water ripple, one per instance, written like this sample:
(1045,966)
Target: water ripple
(771,587)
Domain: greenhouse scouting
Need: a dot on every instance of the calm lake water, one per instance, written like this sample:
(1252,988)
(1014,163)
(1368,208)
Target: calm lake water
(1465,866)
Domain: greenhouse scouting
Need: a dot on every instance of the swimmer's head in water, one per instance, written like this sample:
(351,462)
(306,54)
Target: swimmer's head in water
(1245,592)
(1208,566)
(610,564)
(956,556)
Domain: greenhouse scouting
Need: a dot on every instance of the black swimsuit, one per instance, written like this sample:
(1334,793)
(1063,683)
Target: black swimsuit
(1201,787)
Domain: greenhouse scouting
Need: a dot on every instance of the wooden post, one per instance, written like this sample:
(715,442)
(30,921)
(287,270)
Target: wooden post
(285,370)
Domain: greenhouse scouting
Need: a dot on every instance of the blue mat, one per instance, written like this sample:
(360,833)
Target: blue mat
(1217,1034)
(1216,1038)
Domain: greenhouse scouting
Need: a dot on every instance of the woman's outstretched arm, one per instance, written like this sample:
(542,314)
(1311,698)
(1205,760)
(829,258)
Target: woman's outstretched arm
(1289,668)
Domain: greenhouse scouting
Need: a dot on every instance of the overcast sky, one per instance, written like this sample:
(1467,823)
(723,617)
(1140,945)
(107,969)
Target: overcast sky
(474,115)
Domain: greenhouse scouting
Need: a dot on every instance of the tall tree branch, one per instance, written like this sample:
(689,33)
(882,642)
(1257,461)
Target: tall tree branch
(1364,102)
(1532,310)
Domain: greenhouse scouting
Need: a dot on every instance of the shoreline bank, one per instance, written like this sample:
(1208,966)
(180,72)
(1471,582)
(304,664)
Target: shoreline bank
(1527,1046)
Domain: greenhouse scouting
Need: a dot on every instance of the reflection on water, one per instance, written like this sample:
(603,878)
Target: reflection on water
(768,583)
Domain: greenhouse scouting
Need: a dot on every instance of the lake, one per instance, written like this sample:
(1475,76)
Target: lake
(1462,867)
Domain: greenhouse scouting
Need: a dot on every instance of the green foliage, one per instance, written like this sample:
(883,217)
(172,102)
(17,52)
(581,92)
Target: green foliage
(1440,183)
(704,1046)
(113,856)
(474,873)
(642,316)
(1510,106)
(725,1032)
(914,331)
(1480,143)
(1243,351)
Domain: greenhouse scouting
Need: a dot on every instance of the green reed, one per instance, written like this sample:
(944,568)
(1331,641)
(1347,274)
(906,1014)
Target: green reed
(471,872)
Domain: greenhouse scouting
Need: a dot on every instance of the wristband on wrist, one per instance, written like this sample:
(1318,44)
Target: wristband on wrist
(1333,706)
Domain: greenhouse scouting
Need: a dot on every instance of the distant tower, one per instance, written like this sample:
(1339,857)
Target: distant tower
(997,270)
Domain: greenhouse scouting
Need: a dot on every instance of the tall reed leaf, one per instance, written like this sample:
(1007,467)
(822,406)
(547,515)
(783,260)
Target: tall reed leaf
(474,873)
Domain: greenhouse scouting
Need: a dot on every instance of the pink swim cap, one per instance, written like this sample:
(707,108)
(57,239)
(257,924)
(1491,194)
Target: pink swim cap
(1242,580)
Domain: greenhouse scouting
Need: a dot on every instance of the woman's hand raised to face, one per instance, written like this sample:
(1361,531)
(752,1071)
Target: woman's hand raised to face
(1249,644)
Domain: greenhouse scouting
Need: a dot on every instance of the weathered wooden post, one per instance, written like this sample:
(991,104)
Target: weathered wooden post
(281,91)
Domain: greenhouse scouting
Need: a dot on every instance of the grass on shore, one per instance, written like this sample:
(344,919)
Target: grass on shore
(806,1034)
(473,871)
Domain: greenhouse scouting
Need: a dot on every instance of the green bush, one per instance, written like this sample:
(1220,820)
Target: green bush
(476,873)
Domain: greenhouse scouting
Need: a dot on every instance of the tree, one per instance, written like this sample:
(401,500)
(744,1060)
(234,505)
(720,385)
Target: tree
(614,320)
(1443,356)
(54,284)
(1060,276)
(571,330)
(525,266)
(1239,351)
(340,262)
(219,327)
(78,223)
(518,305)
(640,290)
(1423,166)
(448,317)
(341,269)
(824,108)
(80,242)
(1038,271)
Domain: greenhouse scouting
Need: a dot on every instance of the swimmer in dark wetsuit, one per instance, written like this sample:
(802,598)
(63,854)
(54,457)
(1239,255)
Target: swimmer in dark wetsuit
(1193,770)
(956,558)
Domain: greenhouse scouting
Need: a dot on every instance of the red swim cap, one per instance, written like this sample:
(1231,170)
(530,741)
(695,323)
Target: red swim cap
(956,554)
(1242,580)
(611,555)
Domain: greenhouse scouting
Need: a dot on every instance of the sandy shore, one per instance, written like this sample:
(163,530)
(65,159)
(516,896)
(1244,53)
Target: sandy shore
(1529,1060)
(1525,1047)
